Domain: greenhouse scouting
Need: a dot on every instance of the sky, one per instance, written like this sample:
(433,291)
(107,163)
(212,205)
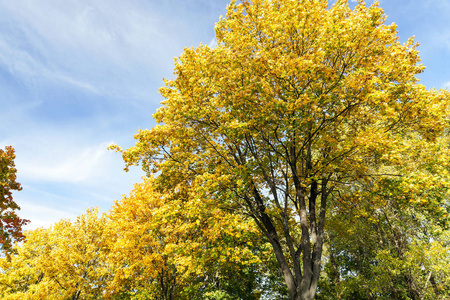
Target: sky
(78,75)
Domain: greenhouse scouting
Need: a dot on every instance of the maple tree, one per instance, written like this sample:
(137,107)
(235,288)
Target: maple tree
(10,223)
(299,101)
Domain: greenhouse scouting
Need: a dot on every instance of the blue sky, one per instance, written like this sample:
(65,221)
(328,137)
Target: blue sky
(78,75)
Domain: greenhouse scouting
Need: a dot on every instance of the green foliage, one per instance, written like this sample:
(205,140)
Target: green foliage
(399,249)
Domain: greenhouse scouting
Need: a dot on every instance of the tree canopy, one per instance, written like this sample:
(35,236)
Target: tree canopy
(302,105)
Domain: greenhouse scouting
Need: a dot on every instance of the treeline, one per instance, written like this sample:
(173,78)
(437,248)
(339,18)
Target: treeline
(172,246)
(298,159)
(148,246)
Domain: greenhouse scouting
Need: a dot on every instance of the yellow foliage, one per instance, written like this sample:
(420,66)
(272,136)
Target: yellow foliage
(169,241)
(67,260)
(300,106)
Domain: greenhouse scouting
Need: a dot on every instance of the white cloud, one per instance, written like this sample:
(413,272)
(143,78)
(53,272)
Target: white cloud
(69,155)
(447,85)
(23,65)
(43,216)
(81,43)
(62,175)
(109,30)
(65,163)
(77,74)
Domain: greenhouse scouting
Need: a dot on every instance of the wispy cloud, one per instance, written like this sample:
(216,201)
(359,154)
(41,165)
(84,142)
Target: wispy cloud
(66,155)
(69,163)
(44,216)
(68,169)
(21,64)
(82,42)
(78,74)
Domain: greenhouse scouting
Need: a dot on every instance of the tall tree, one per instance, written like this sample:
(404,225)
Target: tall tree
(10,223)
(298,101)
